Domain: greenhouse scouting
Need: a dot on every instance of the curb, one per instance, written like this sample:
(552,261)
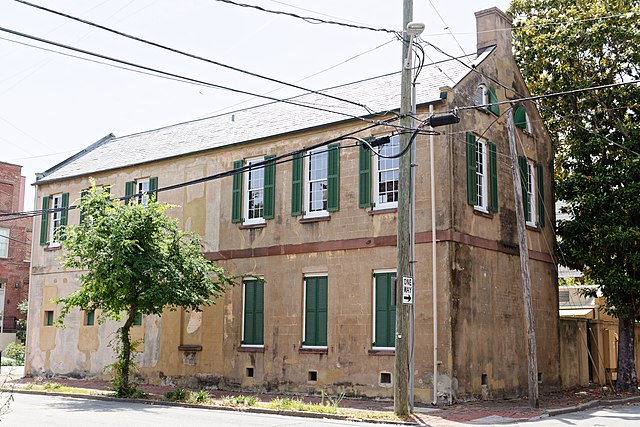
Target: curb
(592,404)
(249,409)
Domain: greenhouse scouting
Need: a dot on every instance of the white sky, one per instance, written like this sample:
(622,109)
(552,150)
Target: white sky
(52,106)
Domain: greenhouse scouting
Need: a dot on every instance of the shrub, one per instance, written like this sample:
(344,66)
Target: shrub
(15,351)
(199,396)
(176,395)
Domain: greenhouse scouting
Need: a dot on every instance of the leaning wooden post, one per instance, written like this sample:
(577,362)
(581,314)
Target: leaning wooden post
(532,359)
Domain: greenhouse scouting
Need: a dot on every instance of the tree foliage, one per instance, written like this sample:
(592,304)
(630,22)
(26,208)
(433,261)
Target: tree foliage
(563,45)
(134,260)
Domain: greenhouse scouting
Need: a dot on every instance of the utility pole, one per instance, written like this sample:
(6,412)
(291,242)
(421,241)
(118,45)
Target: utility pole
(532,359)
(401,370)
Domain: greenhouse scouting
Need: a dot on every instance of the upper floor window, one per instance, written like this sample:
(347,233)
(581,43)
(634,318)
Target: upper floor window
(141,189)
(385,173)
(532,180)
(521,119)
(253,196)
(4,242)
(482,174)
(54,216)
(486,98)
(315,189)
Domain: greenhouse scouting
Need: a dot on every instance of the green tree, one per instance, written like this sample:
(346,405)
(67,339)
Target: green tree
(134,261)
(568,44)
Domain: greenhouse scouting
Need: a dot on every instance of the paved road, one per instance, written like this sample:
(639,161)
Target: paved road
(40,410)
(614,416)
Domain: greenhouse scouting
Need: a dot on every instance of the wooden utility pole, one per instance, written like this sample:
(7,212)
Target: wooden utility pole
(401,370)
(532,359)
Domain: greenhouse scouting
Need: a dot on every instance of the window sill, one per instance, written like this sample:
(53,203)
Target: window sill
(314,350)
(252,226)
(382,352)
(383,211)
(52,248)
(314,219)
(532,227)
(484,214)
(190,347)
(245,348)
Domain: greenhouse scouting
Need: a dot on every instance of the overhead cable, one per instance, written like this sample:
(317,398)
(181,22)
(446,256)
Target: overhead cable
(188,79)
(190,55)
(311,20)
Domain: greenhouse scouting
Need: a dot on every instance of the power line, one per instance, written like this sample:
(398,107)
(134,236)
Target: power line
(190,80)
(446,27)
(189,55)
(310,20)
(15,240)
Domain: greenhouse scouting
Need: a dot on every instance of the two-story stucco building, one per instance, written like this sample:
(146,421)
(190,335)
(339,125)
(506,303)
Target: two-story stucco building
(319,226)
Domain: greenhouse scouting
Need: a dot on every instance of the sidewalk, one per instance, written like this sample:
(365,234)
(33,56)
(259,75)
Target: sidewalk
(475,412)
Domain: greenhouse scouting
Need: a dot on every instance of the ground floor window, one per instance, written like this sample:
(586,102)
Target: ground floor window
(315,311)
(253,319)
(384,309)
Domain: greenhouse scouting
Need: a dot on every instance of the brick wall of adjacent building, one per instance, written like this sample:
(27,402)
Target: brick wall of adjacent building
(14,269)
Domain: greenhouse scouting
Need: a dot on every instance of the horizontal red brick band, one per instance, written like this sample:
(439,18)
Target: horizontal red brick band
(374,242)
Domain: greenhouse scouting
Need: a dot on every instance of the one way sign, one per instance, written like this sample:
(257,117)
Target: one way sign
(407,290)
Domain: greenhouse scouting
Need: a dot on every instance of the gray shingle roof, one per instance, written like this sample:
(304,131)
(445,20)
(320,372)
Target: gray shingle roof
(379,94)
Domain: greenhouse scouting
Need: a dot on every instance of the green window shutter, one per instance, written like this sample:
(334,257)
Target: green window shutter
(493,176)
(524,182)
(44,221)
(520,117)
(385,311)
(269,188)
(236,195)
(128,190)
(254,312)
(541,212)
(296,184)
(333,178)
(494,108)
(153,186)
(137,319)
(64,215)
(364,181)
(90,316)
(472,178)
(83,196)
(316,311)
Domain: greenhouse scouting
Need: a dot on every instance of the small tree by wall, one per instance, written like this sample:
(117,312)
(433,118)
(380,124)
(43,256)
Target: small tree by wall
(135,261)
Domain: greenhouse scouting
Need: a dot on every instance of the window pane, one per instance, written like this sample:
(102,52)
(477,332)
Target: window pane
(255,191)
(4,242)
(387,175)
(317,181)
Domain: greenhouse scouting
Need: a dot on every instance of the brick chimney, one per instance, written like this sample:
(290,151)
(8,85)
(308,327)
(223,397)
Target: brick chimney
(493,27)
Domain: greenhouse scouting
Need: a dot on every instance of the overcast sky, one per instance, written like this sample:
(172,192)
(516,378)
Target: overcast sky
(52,106)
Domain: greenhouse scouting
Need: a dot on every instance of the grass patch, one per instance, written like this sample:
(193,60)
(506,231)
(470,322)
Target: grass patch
(240,400)
(201,396)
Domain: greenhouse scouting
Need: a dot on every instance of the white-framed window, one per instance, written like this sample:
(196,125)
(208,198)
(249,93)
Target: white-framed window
(386,173)
(4,242)
(56,218)
(254,193)
(316,183)
(482,96)
(142,191)
(384,309)
(482,171)
(530,196)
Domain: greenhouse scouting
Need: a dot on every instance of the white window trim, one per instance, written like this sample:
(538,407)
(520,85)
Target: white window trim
(244,305)
(373,306)
(306,183)
(530,197)
(245,194)
(482,103)
(482,181)
(376,179)
(56,215)
(304,309)
(4,240)
(142,186)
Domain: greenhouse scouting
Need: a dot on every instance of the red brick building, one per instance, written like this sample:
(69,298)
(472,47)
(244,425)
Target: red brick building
(15,245)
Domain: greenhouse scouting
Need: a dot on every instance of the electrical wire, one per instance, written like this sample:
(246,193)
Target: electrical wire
(189,55)
(15,240)
(188,79)
(446,27)
(308,19)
